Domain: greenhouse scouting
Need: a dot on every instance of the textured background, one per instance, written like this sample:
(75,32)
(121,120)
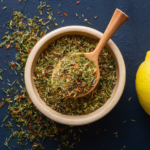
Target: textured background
(133,40)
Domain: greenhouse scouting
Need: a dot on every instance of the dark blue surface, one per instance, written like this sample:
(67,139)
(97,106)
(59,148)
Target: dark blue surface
(133,40)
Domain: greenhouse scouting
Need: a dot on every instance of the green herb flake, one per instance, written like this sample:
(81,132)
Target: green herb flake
(76,15)
(4,8)
(1,78)
(132,120)
(129,99)
(89,23)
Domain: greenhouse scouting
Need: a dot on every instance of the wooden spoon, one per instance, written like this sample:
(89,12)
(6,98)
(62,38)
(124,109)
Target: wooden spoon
(116,21)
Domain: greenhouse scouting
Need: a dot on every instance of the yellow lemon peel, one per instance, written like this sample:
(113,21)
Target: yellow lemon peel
(142,83)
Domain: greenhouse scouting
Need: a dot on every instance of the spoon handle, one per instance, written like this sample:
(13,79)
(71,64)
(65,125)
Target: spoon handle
(116,21)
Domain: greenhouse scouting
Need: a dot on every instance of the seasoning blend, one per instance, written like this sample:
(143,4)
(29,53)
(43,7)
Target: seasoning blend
(52,94)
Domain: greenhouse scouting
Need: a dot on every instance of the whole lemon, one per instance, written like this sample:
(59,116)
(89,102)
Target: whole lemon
(142,83)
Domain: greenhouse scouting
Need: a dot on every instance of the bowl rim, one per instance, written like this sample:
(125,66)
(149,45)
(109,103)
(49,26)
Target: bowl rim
(67,119)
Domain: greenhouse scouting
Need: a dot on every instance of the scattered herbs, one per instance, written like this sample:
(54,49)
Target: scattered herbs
(23,33)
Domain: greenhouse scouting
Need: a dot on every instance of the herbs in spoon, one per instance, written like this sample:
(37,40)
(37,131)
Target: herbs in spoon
(75,75)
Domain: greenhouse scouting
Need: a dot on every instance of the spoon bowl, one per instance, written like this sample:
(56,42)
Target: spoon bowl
(116,21)
(87,55)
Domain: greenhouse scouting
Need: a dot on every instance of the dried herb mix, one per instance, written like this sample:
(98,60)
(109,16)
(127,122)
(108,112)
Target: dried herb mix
(23,33)
(76,74)
(51,56)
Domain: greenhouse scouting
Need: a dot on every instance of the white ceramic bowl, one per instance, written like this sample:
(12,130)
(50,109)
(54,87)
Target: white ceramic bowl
(81,119)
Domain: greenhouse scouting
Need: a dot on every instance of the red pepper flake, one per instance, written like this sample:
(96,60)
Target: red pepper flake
(12,64)
(40,10)
(4,61)
(60,129)
(55,139)
(41,77)
(67,106)
(41,33)
(74,63)
(116,133)
(104,67)
(7,46)
(29,120)
(66,13)
(44,54)
(77,2)
(46,74)
(48,68)
(12,39)
(107,74)
(67,77)
(93,93)
(83,46)
(81,113)
(107,55)
(35,132)
(18,111)
(40,91)
(38,72)
(16,48)
(30,127)
(58,12)
(57,55)
(38,118)
(56,24)
(81,81)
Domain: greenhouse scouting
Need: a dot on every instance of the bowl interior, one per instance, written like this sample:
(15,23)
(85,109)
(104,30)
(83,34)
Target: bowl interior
(67,119)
